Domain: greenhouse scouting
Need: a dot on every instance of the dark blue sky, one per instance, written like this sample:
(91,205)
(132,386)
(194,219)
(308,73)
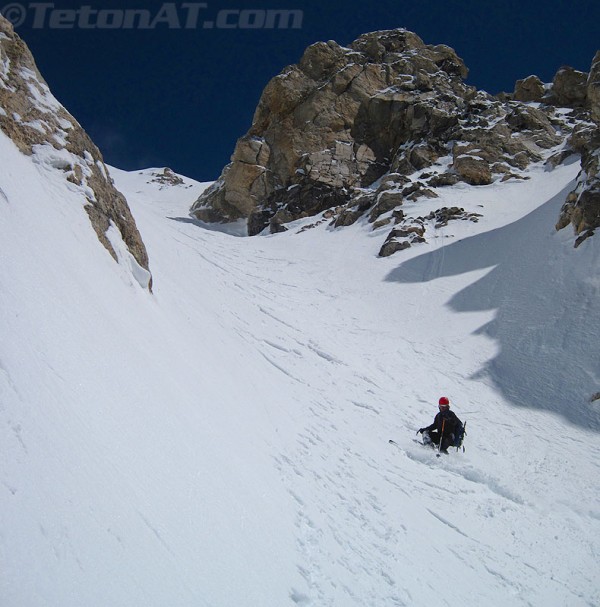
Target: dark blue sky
(181,97)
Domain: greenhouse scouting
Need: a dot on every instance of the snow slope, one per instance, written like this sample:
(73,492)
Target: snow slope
(224,441)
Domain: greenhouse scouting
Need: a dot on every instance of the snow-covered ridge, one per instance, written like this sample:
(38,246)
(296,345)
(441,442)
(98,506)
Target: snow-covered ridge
(39,126)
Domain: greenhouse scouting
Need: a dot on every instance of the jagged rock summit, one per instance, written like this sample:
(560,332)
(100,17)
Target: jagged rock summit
(41,127)
(356,131)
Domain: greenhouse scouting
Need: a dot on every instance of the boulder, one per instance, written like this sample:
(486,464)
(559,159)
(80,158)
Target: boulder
(529,89)
(392,246)
(443,179)
(387,201)
(593,89)
(473,170)
(569,87)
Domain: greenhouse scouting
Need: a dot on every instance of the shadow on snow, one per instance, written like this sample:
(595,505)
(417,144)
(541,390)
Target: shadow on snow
(546,294)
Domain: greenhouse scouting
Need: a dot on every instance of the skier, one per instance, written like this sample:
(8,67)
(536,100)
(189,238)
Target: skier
(446,428)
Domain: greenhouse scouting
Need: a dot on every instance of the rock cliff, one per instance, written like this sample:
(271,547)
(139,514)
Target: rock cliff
(582,207)
(41,127)
(356,131)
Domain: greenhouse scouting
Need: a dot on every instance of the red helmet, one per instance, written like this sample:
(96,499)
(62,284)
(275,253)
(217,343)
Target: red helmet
(444,402)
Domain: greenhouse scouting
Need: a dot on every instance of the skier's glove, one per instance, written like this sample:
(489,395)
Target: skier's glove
(420,430)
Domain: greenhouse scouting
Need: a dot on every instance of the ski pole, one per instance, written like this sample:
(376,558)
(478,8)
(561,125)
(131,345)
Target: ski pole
(441,436)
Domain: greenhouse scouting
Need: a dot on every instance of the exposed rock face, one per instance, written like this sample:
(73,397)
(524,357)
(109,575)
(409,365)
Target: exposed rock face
(529,89)
(327,125)
(593,89)
(361,129)
(582,207)
(40,126)
(569,87)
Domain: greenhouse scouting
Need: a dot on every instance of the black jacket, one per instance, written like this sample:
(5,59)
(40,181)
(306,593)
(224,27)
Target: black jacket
(449,420)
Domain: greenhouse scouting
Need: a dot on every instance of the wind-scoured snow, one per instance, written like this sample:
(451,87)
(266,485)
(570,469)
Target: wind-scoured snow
(223,441)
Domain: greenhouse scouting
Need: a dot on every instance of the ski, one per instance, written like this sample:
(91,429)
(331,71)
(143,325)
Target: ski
(393,442)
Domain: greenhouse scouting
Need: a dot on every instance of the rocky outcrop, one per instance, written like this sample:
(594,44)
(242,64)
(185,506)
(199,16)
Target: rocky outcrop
(359,131)
(582,207)
(569,88)
(167,178)
(529,89)
(322,127)
(593,89)
(41,127)
(413,230)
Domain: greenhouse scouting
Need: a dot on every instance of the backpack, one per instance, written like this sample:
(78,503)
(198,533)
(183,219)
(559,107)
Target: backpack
(459,435)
